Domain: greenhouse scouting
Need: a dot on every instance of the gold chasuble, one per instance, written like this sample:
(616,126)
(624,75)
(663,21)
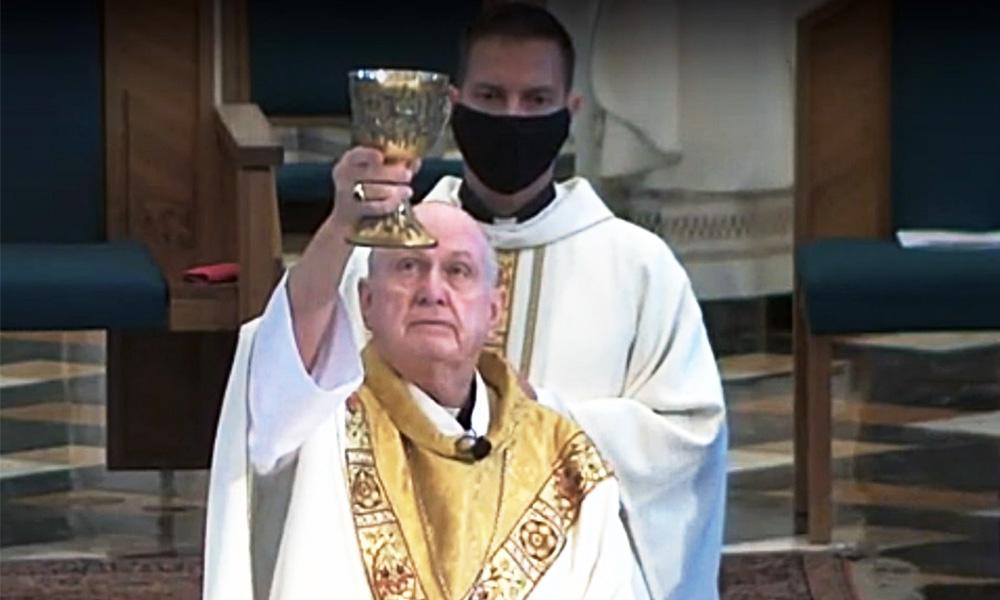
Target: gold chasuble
(433,523)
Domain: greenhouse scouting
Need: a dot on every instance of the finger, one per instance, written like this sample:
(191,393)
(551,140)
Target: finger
(378,192)
(363,156)
(355,163)
(397,173)
(377,208)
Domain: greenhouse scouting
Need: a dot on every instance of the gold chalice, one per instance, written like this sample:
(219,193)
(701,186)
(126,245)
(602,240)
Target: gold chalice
(401,113)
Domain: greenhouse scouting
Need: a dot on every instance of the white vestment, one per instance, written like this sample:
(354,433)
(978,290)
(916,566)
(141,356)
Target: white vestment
(602,317)
(271,400)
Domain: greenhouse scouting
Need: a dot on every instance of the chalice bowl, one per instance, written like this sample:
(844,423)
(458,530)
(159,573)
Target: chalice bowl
(402,113)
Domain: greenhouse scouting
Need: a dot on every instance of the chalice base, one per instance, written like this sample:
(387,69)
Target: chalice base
(398,229)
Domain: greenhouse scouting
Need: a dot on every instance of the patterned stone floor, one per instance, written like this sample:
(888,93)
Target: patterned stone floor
(916,459)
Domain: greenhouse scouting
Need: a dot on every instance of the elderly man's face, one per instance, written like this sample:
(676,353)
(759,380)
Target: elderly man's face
(438,304)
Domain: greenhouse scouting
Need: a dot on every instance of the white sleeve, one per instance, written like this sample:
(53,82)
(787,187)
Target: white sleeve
(614,570)
(286,401)
(227,572)
(596,562)
(666,438)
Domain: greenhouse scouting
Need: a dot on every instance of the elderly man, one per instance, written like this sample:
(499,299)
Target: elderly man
(597,311)
(421,469)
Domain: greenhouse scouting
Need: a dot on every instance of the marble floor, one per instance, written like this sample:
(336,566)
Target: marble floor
(916,461)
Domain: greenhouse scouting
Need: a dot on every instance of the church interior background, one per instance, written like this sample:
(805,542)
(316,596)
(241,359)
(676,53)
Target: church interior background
(916,416)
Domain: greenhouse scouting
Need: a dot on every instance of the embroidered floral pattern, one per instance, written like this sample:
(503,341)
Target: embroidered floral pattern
(507,263)
(387,560)
(538,539)
(393,576)
(515,568)
(365,492)
(540,534)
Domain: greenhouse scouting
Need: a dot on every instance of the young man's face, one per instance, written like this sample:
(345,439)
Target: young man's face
(505,76)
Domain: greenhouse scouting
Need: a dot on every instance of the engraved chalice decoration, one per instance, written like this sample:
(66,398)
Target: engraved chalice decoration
(402,113)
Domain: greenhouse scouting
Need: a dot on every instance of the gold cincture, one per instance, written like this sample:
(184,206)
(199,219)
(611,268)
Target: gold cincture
(401,113)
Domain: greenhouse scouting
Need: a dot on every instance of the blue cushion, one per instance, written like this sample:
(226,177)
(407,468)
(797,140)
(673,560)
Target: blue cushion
(51,115)
(945,119)
(81,286)
(301,50)
(862,286)
(310,182)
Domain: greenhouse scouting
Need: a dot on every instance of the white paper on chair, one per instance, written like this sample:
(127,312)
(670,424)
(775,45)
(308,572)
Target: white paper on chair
(947,238)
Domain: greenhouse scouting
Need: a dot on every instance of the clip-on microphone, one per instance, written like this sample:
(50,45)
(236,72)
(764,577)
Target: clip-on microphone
(473,447)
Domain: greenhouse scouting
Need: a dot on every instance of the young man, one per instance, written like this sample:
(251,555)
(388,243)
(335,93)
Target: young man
(434,476)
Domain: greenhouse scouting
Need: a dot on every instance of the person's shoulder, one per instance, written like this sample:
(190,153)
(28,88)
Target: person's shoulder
(249,328)
(535,415)
(560,440)
(618,232)
(628,233)
(638,246)
(445,190)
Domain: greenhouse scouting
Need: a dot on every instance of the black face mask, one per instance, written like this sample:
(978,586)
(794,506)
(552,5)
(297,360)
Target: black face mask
(508,152)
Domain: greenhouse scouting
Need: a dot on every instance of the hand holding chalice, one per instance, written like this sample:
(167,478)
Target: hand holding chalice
(402,114)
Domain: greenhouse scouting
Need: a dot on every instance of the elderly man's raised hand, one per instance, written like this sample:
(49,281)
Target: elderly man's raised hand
(313,282)
(384,185)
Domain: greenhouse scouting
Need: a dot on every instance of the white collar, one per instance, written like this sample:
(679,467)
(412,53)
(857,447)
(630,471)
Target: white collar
(576,207)
(444,421)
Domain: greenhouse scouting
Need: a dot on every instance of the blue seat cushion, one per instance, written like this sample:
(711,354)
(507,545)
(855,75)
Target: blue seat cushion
(105,285)
(309,182)
(868,286)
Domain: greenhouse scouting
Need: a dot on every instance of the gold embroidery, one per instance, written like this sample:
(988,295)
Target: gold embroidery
(387,560)
(532,318)
(538,538)
(540,534)
(507,263)
(364,491)
(514,569)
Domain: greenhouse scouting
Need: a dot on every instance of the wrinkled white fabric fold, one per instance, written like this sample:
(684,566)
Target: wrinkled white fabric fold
(286,401)
(227,571)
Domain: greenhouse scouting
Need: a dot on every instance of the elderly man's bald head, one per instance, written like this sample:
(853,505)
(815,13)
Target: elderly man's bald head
(432,307)
(447,221)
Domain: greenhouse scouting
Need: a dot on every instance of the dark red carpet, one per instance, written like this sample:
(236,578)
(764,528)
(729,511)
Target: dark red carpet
(771,576)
